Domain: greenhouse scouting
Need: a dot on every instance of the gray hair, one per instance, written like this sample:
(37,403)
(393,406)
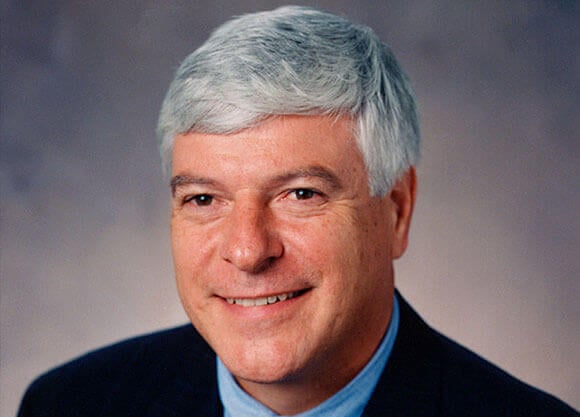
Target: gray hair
(297,60)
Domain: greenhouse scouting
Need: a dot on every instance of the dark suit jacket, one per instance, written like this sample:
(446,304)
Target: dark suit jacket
(173,373)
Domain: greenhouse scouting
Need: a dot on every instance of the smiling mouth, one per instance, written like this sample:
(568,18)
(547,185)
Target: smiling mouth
(262,301)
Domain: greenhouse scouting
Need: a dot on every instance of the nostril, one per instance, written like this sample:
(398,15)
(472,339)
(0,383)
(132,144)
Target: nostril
(252,262)
(267,264)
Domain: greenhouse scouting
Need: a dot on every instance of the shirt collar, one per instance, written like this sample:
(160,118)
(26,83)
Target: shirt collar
(350,401)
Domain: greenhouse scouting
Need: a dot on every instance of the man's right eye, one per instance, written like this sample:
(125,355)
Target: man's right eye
(199,199)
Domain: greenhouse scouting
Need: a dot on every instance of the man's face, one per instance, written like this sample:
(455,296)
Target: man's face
(283,260)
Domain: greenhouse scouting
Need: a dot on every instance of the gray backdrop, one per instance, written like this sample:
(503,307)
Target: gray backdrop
(494,253)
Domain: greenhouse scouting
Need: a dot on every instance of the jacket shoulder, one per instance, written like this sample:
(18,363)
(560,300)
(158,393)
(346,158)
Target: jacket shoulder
(430,375)
(125,374)
(472,383)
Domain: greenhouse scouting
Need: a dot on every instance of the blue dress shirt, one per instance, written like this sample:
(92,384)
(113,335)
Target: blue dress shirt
(350,401)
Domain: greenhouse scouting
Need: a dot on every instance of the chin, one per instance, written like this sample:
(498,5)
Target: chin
(266,364)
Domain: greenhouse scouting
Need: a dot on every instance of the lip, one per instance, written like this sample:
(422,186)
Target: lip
(261,301)
(262,310)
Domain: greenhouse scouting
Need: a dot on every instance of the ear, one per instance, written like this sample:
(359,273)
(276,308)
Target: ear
(402,197)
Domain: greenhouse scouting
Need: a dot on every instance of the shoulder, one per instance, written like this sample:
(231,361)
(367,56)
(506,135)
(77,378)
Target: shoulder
(472,383)
(456,381)
(128,371)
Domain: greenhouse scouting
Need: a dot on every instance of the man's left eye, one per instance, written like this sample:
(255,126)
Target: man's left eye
(304,193)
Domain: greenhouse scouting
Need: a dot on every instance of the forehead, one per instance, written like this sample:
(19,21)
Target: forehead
(283,143)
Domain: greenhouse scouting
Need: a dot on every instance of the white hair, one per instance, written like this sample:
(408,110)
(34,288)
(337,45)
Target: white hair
(297,60)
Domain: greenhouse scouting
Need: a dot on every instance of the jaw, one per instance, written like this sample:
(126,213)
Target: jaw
(269,374)
(262,347)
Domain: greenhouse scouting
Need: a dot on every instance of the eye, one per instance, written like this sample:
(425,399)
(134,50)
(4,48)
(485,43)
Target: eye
(304,193)
(303,200)
(200,199)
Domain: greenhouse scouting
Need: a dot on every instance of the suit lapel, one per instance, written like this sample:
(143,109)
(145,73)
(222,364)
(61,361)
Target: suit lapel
(409,385)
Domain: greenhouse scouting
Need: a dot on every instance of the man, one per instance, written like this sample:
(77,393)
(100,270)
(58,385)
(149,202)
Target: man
(289,138)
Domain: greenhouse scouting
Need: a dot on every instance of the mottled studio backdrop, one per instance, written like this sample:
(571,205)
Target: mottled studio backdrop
(494,254)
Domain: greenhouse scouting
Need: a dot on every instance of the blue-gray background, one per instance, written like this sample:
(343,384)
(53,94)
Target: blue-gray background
(494,253)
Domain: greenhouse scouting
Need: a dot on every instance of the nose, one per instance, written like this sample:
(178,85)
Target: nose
(250,242)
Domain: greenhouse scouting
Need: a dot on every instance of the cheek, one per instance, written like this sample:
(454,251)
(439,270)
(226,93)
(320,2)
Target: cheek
(332,248)
(190,253)
(356,250)
(181,248)
(191,245)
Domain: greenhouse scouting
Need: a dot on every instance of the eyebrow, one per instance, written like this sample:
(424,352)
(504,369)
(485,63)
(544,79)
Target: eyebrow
(307,172)
(180,180)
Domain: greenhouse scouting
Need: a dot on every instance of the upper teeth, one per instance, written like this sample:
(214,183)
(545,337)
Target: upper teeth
(261,301)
